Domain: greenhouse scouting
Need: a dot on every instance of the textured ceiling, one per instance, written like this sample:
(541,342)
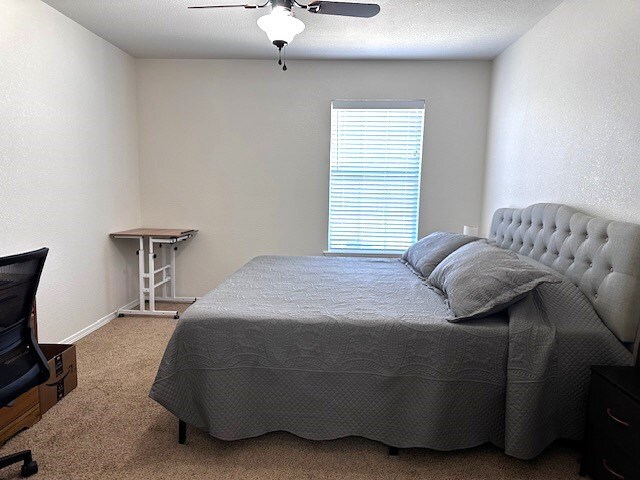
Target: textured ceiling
(404,29)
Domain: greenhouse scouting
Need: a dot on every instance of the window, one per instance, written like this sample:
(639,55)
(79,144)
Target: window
(376,155)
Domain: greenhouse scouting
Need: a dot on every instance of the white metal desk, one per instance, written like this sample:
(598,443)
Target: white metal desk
(160,237)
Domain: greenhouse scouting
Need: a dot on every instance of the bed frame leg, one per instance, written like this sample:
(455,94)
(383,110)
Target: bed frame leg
(182,432)
(394,451)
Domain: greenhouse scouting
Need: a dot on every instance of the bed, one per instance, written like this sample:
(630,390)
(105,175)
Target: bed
(328,347)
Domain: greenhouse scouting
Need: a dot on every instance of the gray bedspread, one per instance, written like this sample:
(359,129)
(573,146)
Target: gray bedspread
(326,347)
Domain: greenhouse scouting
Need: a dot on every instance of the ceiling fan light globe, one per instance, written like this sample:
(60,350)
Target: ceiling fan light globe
(280,25)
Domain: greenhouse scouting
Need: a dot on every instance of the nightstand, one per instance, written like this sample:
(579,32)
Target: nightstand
(612,443)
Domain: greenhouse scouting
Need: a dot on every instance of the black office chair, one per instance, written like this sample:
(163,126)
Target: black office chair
(22,364)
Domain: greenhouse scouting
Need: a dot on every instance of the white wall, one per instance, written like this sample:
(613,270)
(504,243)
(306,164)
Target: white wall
(565,116)
(240,150)
(68,161)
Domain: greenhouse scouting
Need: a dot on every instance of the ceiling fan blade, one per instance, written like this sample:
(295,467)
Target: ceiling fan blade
(346,9)
(247,5)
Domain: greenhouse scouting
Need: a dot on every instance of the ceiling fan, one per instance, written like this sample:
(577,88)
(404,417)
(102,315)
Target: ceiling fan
(281,25)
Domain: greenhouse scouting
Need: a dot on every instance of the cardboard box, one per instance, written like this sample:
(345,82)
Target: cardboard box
(64,374)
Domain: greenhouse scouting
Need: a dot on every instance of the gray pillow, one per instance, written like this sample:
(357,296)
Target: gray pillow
(480,279)
(424,255)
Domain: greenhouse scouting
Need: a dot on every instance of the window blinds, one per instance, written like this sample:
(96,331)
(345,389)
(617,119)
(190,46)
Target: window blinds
(376,155)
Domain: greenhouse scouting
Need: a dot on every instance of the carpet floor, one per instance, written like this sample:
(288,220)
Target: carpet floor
(108,428)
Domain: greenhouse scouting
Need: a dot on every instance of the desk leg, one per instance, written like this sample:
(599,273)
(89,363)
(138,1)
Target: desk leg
(141,273)
(164,269)
(152,277)
(173,271)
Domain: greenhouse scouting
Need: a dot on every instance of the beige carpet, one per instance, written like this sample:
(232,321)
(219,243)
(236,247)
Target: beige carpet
(109,428)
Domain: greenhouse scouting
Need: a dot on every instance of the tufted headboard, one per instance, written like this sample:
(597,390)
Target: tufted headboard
(601,257)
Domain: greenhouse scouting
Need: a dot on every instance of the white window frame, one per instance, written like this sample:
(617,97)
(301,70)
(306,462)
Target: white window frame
(376,104)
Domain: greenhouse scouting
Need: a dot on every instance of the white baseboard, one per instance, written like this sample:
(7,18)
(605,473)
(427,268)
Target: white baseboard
(107,318)
(96,325)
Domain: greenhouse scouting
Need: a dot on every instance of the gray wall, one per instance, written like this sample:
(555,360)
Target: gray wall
(240,150)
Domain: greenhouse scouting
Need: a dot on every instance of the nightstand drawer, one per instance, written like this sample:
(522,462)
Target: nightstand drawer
(615,418)
(609,463)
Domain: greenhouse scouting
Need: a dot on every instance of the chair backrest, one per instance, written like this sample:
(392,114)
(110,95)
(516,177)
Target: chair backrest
(22,364)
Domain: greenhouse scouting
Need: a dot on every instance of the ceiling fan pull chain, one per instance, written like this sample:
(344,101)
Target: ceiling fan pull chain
(284,62)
